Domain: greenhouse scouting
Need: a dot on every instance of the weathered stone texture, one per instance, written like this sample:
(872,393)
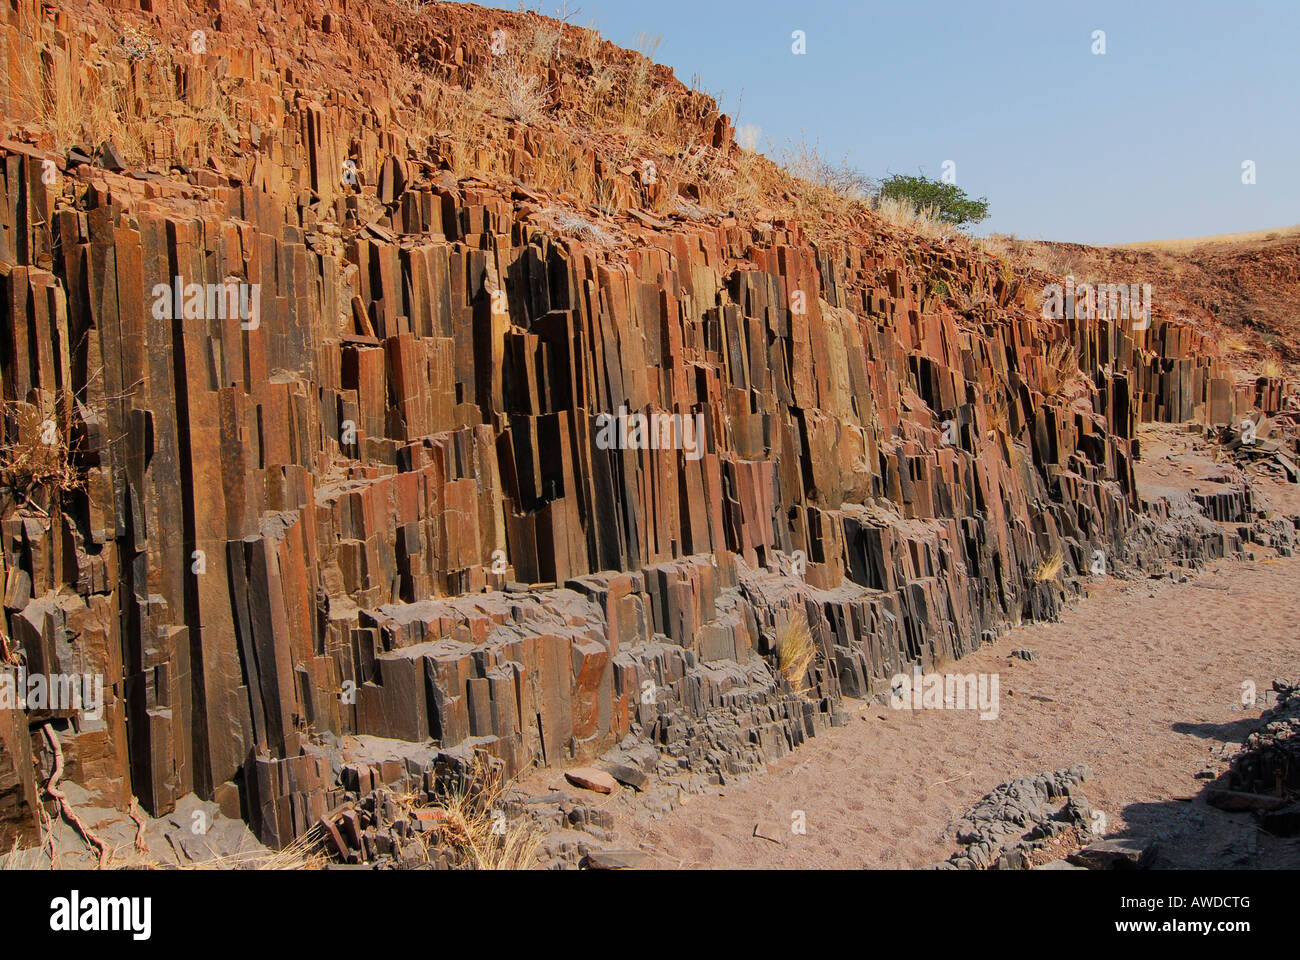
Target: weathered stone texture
(381,509)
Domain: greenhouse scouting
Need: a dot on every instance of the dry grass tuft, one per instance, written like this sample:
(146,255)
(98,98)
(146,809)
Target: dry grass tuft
(1050,568)
(568,222)
(600,93)
(966,303)
(999,412)
(1060,368)
(925,221)
(36,451)
(819,191)
(521,94)
(139,44)
(637,99)
(805,161)
(307,852)
(473,825)
(209,124)
(795,650)
(93,103)
(542,41)
(50,93)
(14,859)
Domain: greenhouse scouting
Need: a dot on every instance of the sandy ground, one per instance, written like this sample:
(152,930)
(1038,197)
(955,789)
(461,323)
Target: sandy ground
(1139,681)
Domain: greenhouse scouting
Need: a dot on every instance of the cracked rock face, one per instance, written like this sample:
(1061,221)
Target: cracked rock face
(381,507)
(1017,817)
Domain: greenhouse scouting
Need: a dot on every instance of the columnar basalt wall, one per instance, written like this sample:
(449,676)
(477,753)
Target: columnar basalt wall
(380,505)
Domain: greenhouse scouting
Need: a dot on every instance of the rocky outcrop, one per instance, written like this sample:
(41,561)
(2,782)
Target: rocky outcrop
(1016,821)
(379,503)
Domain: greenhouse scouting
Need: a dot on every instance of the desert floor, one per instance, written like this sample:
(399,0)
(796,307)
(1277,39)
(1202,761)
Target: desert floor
(1139,681)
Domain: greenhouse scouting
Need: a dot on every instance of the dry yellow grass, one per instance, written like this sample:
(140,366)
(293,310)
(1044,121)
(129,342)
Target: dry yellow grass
(1050,568)
(461,121)
(93,103)
(1060,368)
(600,93)
(37,451)
(795,650)
(639,109)
(15,859)
(1191,243)
(518,91)
(925,220)
(1013,253)
(305,853)
(51,93)
(206,123)
(820,189)
(473,825)
(542,40)
(999,414)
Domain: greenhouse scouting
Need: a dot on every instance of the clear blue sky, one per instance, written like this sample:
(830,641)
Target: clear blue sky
(1145,142)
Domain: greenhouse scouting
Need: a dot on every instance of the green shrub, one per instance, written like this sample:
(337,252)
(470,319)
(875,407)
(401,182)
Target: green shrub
(948,201)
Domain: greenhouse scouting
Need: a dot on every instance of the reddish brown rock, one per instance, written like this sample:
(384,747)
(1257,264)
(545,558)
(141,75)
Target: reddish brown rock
(382,510)
(589,778)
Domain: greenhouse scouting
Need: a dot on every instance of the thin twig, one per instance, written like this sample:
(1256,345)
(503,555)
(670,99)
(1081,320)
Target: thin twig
(953,780)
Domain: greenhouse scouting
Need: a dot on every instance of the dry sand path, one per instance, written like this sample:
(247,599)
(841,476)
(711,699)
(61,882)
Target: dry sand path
(1139,681)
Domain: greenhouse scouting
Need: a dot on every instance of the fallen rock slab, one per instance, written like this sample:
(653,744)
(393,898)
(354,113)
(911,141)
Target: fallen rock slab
(1118,854)
(628,776)
(613,860)
(1237,801)
(589,778)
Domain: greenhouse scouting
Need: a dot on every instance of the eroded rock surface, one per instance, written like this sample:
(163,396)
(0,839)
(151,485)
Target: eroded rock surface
(380,507)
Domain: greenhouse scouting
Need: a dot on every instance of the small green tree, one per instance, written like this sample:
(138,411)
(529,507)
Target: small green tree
(948,201)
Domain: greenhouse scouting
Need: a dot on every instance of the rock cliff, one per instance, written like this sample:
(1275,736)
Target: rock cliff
(304,353)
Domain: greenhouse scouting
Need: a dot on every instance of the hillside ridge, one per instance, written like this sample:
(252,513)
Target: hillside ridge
(313,316)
